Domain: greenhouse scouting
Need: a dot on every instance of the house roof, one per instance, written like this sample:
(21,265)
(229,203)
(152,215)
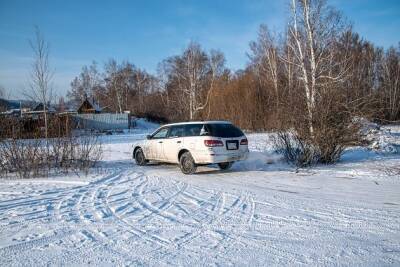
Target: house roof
(92,103)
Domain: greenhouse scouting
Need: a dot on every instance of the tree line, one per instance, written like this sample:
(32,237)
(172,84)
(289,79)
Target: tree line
(317,59)
(311,83)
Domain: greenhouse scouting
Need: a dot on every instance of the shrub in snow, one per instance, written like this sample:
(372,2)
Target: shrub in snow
(319,137)
(75,153)
(24,157)
(37,157)
(294,149)
(305,151)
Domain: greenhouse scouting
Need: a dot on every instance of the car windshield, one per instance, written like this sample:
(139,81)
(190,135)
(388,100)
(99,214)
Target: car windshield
(223,130)
(162,133)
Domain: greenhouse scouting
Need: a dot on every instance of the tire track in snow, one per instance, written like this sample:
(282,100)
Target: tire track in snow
(100,212)
(166,204)
(140,233)
(36,242)
(209,223)
(203,225)
(91,203)
(66,207)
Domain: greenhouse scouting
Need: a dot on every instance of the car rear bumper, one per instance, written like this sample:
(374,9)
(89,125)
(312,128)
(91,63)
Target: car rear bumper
(210,158)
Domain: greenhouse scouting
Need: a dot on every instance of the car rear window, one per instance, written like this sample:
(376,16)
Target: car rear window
(224,130)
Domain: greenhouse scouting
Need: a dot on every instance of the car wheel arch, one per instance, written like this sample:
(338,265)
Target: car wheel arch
(180,153)
(136,149)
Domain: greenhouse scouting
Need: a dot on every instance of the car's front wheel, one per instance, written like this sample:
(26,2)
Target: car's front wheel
(187,164)
(225,165)
(140,159)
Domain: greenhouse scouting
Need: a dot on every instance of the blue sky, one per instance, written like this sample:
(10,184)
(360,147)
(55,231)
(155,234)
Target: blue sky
(145,32)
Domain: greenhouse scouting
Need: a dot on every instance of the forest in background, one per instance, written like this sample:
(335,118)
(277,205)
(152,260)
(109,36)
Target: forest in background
(317,63)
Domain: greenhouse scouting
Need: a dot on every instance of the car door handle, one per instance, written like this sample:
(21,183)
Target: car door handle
(179,142)
(160,142)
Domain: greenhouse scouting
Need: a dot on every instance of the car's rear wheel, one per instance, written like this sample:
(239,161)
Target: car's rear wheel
(187,164)
(140,159)
(225,165)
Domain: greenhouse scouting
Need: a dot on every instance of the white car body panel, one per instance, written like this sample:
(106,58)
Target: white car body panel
(167,149)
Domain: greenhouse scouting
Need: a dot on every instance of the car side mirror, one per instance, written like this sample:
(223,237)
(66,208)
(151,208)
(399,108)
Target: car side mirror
(148,137)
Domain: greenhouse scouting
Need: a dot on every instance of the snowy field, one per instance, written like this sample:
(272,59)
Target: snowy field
(262,212)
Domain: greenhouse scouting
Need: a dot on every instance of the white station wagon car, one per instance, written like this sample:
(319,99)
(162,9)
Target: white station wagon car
(191,144)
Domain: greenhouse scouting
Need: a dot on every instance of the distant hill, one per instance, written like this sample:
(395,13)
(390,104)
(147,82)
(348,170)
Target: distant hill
(15,104)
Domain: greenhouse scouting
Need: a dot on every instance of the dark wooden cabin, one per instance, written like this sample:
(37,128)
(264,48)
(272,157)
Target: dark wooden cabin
(88,106)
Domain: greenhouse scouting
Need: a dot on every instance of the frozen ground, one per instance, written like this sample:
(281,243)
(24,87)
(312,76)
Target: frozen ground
(262,212)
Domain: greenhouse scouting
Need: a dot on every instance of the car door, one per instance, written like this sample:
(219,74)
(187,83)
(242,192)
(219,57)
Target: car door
(174,143)
(192,132)
(156,144)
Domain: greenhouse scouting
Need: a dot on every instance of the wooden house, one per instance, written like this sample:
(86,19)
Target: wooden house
(89,107)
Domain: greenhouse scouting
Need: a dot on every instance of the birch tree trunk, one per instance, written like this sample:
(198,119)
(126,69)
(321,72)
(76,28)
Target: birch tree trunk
(301,56)
(41,75)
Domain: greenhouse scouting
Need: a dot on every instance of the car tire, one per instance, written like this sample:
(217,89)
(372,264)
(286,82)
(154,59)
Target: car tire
(187,164)
(225,165)
(140,159)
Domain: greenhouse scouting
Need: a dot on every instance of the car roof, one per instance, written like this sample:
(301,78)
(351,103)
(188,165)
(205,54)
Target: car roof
(198,122)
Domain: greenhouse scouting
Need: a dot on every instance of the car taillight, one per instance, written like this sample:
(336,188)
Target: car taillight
(244,142)
(213,143)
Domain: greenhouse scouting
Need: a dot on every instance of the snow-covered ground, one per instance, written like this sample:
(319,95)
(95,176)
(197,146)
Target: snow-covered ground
(262,212)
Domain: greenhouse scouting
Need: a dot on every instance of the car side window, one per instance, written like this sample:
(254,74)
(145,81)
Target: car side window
(177,131)
(193,129)
(162,133)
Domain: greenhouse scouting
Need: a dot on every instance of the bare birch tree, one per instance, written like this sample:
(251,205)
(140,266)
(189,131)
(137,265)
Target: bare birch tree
(314,29)
(266,59)
(193,75)
(84,85)
(41,89)
(112,84)
(141,78)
